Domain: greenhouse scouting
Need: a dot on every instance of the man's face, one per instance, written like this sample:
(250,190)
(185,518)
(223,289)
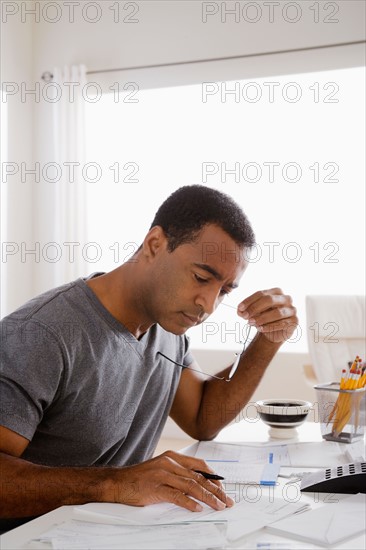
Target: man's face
(188,284)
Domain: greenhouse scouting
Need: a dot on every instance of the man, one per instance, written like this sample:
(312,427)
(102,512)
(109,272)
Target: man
(90,370)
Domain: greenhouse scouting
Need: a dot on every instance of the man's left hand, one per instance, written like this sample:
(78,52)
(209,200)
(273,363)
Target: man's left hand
(271,312)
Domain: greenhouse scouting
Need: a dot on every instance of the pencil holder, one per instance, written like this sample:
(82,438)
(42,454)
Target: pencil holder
(342,413)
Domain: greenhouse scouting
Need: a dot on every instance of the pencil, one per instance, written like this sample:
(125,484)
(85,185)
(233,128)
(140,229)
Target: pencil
(348,404)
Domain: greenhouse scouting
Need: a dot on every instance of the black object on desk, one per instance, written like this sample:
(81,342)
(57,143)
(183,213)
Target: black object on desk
(207,475)
(346,479)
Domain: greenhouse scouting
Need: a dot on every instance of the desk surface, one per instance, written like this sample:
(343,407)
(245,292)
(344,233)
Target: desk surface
(241,432)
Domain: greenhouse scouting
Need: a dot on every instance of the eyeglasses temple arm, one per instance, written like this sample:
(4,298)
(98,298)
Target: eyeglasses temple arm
(237,360)
(190,368)
(233,368)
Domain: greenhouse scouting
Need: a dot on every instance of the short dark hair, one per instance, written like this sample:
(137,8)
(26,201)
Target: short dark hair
(186,211)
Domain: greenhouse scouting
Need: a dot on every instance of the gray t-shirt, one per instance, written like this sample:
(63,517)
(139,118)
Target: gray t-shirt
(79,386)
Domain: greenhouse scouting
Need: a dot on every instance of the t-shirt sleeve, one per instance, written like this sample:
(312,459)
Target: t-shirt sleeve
(32,366)
(188,357)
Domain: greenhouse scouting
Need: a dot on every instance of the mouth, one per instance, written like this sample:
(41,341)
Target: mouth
(191,320)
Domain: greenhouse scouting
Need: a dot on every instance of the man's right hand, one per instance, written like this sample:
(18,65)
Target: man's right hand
(28,489)
(169,477)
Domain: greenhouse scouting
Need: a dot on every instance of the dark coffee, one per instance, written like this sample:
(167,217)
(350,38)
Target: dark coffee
(271,404)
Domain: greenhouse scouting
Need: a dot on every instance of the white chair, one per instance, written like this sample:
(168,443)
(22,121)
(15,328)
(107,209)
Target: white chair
(336,333)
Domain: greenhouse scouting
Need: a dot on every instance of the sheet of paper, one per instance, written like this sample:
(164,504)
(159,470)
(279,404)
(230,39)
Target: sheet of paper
(330,524)
(82,535)
(324,454)
(356,452)
(270,545)
(321,454)
(253,454)
(153,514)
(238,472)
(247,517)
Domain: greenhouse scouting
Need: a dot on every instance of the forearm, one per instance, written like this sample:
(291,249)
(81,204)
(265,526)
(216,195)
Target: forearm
(29,489)
(222,401)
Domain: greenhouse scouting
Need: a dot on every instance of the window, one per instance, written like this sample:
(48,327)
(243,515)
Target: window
(289,149)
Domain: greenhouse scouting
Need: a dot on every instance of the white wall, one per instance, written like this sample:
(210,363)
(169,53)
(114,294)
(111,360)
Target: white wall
(17,68)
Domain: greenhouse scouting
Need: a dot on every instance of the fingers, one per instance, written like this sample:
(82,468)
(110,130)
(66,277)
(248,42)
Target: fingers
(263,300)
(195,484)
(180,499)
(279,315)
(271,312)
(169,477)
(182,490)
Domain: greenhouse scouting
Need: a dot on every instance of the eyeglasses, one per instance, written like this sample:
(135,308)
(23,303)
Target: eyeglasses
(232,370)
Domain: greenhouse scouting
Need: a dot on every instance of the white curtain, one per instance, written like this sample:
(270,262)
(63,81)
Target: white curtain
(69,154)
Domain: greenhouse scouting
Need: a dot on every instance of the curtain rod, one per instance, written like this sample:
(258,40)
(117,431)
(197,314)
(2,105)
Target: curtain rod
(47,76)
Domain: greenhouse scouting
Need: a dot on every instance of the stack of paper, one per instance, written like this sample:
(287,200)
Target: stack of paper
(248,515)
(83,535)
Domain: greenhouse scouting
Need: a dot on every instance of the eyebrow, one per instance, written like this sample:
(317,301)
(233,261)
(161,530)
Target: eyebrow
(215,273)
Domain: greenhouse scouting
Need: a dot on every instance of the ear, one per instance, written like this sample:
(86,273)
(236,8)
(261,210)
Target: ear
(154,242)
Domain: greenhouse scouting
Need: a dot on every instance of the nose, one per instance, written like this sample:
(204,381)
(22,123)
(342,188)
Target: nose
(208,301)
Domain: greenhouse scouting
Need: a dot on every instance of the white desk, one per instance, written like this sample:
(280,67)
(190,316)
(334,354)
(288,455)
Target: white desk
(243,432)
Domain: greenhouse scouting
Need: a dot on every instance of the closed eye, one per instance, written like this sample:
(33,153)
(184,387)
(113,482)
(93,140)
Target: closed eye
(200,279)
(224,292)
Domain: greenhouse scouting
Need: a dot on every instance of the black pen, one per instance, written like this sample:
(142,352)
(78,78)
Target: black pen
(207,475)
